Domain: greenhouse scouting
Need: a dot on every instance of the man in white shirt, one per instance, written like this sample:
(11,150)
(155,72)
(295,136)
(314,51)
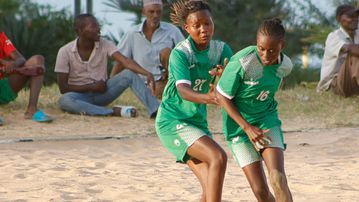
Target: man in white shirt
(150,44)
(81,68)
(340,65)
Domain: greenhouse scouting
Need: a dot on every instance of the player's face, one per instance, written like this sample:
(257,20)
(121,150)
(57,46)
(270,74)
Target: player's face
(200,27)
(153,15)
(269,49)
(91,29)
(349,21)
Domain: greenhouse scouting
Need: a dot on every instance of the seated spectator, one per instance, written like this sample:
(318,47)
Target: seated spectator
(340,66)
(150,44)
(15,73)
(81,66)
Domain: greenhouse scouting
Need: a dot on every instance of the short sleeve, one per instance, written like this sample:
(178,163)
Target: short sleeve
(62,64)
(179,67)
(110,47)
(7,46)
(125,45)
(231,78)
(333,44)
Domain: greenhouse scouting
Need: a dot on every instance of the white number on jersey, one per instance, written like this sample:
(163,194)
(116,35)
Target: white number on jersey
(198,84)
(263,95)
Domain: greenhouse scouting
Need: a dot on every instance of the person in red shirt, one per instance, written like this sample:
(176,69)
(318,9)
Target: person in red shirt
(15,73)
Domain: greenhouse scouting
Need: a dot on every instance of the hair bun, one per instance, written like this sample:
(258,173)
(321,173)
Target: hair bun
(277,20)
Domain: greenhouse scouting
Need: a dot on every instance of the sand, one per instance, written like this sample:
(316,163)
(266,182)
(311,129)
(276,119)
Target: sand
(321,165)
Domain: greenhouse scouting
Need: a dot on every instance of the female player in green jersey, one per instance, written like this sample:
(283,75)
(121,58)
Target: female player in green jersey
(181,123)
(250,120)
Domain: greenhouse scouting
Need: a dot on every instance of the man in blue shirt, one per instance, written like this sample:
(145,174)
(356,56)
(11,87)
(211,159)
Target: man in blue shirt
(150,43)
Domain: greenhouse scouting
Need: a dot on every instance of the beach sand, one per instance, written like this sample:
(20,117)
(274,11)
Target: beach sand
(322,165)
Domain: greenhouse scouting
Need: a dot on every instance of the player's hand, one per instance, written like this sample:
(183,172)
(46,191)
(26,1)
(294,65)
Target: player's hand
(151,82)
(7,66)
(218,69)
(98,87)
(212,95)
(258,136)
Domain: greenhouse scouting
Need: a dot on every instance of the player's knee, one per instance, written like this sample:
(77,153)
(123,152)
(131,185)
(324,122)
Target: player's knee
(278,180)
(37,60)
(261,192)
(66,102)
(219,159)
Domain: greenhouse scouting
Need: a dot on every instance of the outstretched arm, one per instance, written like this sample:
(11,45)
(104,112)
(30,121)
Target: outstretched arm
(133,66)
(188,94)
(116,69)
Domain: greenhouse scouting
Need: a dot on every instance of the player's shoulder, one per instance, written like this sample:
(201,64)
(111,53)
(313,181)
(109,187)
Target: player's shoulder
(184,47)
(285,67)
(216,46)
(247,57)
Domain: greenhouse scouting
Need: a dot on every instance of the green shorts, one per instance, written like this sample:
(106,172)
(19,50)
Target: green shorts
(245,153)
(6,93)
(177,136)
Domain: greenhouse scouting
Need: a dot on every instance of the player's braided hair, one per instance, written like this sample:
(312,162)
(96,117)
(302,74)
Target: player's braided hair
(182,8)
(273,28)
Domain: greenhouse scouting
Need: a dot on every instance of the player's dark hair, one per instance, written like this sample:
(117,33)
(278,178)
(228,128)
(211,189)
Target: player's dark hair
(272,28)
(182,8)
(79,21)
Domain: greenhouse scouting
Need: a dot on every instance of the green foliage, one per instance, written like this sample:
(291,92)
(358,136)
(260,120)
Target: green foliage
(36,29)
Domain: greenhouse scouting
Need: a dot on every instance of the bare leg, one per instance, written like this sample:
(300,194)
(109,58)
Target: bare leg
(18,82)
(274,159)
(257,180)
(200,169)
(209,152)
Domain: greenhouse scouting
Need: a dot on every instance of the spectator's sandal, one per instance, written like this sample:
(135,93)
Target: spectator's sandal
(40,116)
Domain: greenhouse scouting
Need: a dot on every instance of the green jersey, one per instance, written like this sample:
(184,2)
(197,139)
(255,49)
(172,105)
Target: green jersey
(191,66)
(252,87)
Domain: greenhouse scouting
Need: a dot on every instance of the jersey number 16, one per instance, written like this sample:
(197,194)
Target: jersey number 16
(263,95)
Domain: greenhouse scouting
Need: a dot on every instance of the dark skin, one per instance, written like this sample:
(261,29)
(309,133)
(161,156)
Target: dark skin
(208,160)
(153,14)
(349,22)
(268,49)
(19,81)
(87,36)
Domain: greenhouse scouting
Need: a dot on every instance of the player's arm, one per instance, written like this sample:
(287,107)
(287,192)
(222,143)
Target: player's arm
(16,61)
(188,94)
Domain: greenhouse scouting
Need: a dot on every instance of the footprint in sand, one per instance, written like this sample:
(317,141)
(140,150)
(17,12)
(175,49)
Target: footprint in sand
(20,176)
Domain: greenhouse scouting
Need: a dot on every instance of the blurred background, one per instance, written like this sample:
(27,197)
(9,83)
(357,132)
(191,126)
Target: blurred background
(43,26)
